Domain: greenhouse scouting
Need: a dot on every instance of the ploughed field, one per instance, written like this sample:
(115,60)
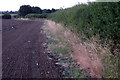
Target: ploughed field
(23,55)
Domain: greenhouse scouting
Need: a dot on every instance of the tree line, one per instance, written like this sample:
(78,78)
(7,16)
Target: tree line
(27,9)
(93,19)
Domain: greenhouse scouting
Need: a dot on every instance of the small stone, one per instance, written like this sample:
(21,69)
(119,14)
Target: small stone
(48,72)
(44,44)
(29,41)
(48,51)
(49,58)
(37,64)
(58,63)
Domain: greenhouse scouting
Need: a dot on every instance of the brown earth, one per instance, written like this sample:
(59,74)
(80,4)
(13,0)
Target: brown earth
(23,55)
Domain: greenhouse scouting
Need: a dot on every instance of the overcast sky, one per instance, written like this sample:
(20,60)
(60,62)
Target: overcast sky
(14,5)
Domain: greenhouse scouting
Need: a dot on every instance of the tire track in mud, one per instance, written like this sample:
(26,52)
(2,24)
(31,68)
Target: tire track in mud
(23,55)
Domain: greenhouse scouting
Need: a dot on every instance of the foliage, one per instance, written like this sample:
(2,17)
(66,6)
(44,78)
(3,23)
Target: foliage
(6,16)
(27,9)
(36,10)
(96,19)
(92,19)
(16,16)
(24,10)
(48,10)
(44,15)
(53,10)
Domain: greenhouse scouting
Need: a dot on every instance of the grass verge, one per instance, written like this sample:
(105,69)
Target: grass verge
(61,49)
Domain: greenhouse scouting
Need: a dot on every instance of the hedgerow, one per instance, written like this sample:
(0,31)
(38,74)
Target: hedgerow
(6,16)
(93,19)
(44,15)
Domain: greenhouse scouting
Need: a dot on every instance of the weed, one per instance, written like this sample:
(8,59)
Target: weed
(51,41)
(60,51)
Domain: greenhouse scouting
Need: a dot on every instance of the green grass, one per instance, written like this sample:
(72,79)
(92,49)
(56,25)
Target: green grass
(51,41)
(61,51)
(72,72)
(112,68)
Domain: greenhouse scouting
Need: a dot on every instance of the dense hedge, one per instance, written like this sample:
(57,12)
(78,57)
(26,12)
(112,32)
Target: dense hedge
(92,19)
(6,16)
(16,16)
(44,15)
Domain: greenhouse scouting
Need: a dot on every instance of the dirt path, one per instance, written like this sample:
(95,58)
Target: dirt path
(23,54)
(83,53)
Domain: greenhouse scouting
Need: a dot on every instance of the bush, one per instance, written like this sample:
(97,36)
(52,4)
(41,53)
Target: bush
(92,19)
(16,16)
(37,15)
(96,19)
(6,16)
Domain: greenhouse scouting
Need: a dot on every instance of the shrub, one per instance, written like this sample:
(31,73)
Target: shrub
(16,16)
(37,15)
(6,16)
(92,19)
(96,19)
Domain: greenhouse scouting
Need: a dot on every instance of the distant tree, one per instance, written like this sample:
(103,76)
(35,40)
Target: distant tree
(47,11)
(12,12)
(36,10)
(44,10)
(24,10)
(53,10)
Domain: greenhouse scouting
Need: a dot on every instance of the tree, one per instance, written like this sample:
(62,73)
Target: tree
(47,11)
(36,10)
(53,10)
(24,10)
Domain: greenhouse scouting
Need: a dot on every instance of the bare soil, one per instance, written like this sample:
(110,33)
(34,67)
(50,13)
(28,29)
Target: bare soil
(23,54)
